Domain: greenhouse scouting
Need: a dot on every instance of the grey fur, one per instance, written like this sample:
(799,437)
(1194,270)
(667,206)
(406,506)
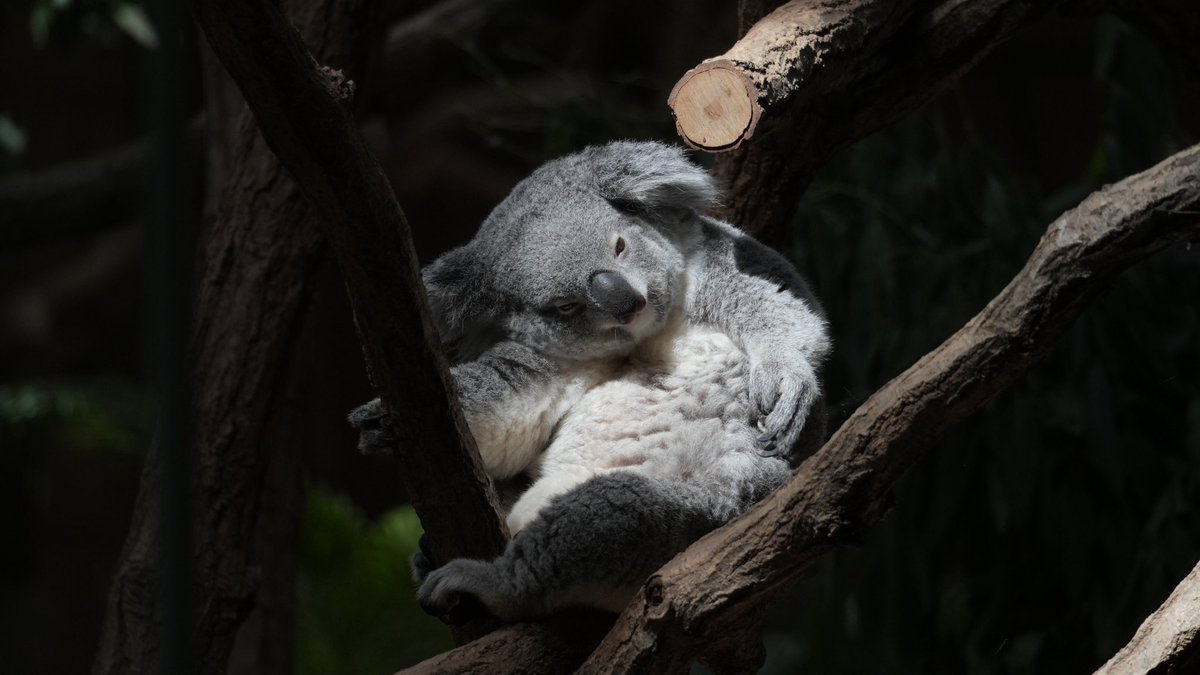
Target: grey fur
(641,431)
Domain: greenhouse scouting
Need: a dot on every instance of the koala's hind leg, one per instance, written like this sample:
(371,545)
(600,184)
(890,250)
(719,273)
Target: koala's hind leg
(591,547)
(539,494)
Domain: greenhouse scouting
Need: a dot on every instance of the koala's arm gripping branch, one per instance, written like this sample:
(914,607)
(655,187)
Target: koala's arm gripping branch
(513,402)
(302,111)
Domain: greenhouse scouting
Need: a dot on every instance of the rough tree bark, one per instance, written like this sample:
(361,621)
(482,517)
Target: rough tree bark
(1168,641)
(261,251)
(302,112)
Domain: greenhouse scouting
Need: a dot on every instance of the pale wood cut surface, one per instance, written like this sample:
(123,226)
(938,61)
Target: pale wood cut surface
(715,106)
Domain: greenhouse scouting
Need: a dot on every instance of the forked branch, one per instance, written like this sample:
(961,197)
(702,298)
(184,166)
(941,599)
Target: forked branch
(302,112)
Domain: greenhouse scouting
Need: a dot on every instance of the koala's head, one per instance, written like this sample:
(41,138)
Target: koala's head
(581,261)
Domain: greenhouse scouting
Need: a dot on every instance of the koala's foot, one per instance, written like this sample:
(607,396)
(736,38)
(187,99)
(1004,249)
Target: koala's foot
(462,590)
(374,426)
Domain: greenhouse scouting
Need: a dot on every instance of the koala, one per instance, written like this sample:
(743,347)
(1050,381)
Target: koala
(650,370)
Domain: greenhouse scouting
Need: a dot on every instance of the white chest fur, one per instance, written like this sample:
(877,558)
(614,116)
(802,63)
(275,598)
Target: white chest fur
(677,409)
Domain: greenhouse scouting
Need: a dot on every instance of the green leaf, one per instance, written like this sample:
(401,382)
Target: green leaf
(40,18)
(12,137)
(131,19)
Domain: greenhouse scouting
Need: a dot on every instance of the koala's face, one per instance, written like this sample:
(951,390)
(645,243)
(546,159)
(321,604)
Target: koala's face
(585,279)
(581,261)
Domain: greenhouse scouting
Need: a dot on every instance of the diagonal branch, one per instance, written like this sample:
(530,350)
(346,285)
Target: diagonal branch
(302,112)
(839,493)
(1168,641)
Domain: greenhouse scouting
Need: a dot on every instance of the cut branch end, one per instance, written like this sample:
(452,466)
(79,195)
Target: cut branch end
(715,106)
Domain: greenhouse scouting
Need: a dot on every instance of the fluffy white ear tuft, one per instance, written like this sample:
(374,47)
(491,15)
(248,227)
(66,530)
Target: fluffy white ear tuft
(652,176)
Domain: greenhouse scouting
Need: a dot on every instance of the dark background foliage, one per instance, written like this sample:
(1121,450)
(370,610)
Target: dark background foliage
(1033,540)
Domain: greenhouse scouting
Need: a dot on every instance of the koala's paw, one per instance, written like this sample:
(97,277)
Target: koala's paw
(783,393)
(454,592)
(374,426)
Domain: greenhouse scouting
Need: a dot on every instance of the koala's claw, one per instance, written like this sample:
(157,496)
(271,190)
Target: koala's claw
(454,592)
(768,447)
(783,394)
(374,424)
(456,609)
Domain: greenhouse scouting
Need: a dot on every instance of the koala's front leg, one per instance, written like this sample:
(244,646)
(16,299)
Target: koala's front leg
(763,303)
(374,426)
(512,397)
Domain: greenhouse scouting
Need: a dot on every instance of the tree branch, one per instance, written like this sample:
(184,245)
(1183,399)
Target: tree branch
(301,110)
(824,75)
(531,648)
(803,45)
(261,253)
(1167,641)
(84,196)
(448,19)
(843,490)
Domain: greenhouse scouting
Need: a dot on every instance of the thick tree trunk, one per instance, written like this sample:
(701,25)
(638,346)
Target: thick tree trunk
(260,256)
(302,111)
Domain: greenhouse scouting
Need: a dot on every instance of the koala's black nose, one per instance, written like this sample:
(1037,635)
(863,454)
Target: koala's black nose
(614,295)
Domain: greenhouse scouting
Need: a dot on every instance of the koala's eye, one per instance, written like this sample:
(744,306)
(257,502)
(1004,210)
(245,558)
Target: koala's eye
(620,246)
(568,308)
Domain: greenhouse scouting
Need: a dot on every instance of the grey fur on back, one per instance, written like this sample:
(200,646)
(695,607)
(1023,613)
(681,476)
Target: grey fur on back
(651,370)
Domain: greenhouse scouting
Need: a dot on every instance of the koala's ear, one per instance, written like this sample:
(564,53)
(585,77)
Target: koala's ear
(652,177)
(461,301)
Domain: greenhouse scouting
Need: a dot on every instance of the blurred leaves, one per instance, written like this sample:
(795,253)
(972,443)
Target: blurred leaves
(131,19)
(100,20)
(357,610)
(12,137)
(95,416)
